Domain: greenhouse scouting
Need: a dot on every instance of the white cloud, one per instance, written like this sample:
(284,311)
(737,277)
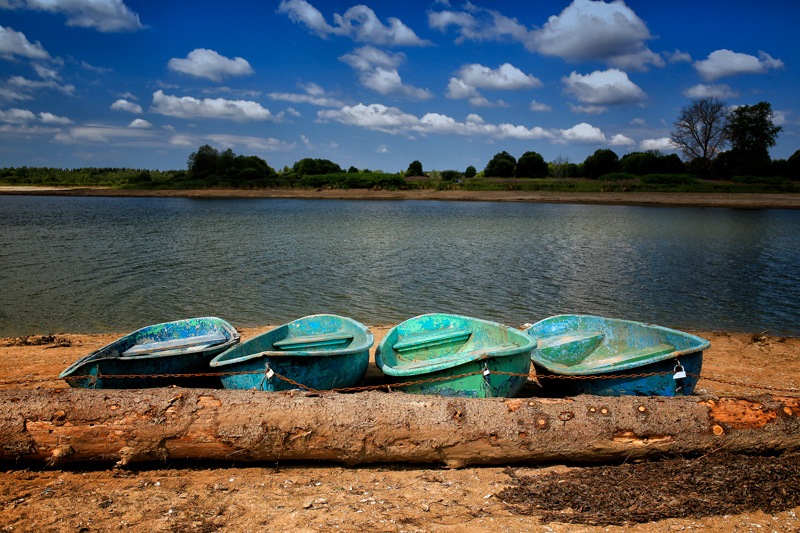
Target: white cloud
(588,109)
(586,30)
(46,72)
(358,23)
(723,63)
(208,64)
(621,140)
(382,149)
(710,91)
(17,116)
(607,87)
(394,121)
(663,144)
(19,88)
(377,70)
(101,134)
(50,118)
(589,30)
(103,15)
(14,43)
(192,108)
(473,77)
(678,57)
(540,107)
(140,123)
(314,95)
(125,105)
(583,133)
(251,143)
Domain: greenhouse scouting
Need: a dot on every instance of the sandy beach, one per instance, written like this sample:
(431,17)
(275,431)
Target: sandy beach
(325,497)
(727,200)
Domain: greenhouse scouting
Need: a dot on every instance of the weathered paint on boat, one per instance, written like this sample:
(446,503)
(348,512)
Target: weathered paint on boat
(320,352)
(156,352)
(442,347)
(609,352)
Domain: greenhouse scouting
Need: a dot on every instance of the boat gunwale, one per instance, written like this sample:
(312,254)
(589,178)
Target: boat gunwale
(700,345)
(97,355)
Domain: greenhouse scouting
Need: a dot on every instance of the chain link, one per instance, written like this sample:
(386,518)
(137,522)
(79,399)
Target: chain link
(390,386)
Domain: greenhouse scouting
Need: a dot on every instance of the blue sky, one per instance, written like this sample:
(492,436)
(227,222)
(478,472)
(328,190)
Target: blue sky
(143,84)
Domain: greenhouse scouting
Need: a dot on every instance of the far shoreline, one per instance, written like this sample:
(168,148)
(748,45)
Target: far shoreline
(653,199)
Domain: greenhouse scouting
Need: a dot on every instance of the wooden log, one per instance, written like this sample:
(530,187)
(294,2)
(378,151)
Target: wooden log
(125,426)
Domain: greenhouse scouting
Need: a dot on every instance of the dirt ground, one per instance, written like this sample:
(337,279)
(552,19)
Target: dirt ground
(713,493)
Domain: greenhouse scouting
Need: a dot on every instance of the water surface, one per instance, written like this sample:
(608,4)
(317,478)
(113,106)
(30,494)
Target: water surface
(116,264)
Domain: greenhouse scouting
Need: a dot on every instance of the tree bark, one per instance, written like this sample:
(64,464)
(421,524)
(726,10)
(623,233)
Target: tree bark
(125,426)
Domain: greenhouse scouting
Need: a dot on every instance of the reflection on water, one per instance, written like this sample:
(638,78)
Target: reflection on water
(115,264)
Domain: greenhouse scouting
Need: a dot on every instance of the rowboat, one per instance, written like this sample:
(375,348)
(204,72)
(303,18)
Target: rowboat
(452,355)
(152,355)
(613,357)
(319,352)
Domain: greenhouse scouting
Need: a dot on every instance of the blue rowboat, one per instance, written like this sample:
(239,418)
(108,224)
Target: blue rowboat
(154,354)
(608,356)
(319,352)
(452,355)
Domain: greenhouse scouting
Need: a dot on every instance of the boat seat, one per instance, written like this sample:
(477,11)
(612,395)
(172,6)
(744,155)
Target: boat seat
(454,359)
(314,341)
(632,356)
(198,342)
(569,349)
(419,341)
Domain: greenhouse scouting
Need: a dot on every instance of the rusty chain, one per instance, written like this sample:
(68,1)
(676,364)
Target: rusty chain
(400,385)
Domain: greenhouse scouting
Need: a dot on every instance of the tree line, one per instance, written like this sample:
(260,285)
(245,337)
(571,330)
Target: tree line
(718,143)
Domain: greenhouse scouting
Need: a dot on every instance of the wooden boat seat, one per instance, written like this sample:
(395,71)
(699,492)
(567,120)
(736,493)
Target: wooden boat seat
(454,359)
(314,341)
(419,341)
(198,342)
(632,356)
(569,349)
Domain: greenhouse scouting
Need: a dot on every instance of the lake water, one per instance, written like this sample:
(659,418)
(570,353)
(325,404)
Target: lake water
(116,264)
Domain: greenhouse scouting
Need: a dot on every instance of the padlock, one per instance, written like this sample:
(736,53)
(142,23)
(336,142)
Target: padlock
(680,373)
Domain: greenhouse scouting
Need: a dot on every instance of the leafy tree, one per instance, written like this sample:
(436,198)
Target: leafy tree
(414,169)
(352,170)
(470,172)
(502,165)
(313,167)
(751,133)
(531,165)
(700,131)
(450,175)
(204,162)
(794,165)
(602,161)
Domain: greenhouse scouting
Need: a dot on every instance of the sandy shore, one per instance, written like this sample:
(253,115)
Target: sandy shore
(729,200)
(312,497)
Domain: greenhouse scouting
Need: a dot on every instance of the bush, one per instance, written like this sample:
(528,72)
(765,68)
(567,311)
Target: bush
(618,176)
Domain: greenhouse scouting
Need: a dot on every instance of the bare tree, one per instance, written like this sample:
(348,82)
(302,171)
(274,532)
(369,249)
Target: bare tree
(700,131)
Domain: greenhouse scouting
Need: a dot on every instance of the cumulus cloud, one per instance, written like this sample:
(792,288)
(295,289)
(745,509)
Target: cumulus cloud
(607,87)
(586,30)
(394,121)
(710,91)
(358,23)
(17,116)
(204,63)
(249,142)
(663,144)
(125,105)
(621,140)
(50,118)
(377,70)
(472,77)
(589,30)
(102,134)
(140,123)
(190,108)
(723,63)
(15,44)
(583,133)
(20,88)
(540,107)
(313,94)
(103,15)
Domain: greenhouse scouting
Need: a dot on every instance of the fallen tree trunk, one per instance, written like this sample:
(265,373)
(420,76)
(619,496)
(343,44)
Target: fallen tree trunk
(125,426)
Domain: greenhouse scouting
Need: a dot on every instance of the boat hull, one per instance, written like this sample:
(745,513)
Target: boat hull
(452,355)
(583,354)
(159,355)
(319,352)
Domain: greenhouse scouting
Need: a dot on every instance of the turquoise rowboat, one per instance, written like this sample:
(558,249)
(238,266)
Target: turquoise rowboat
(154,354)
(319,352)
(452,355)
(613,357)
